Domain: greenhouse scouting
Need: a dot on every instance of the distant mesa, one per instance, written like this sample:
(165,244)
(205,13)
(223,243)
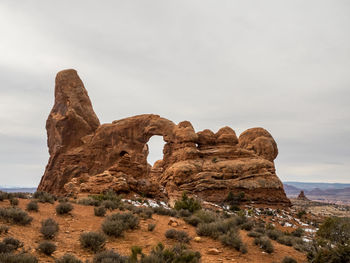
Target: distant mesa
(87,157)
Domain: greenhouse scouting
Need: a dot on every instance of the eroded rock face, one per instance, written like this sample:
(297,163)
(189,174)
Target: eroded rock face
(86,157)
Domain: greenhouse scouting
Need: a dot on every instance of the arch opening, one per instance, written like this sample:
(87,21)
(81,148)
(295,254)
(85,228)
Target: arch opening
(155,149)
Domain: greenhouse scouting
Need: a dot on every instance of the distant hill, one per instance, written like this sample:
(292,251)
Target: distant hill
(322,186)
(328,192)
(18,189)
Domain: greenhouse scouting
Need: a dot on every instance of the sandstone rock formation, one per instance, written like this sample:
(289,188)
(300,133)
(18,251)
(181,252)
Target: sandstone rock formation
(86,157)
(302,196)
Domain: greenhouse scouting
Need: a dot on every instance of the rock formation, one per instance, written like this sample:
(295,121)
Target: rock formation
(86,157)
(302,196)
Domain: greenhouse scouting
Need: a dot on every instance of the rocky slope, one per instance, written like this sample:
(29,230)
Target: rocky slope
(86,157)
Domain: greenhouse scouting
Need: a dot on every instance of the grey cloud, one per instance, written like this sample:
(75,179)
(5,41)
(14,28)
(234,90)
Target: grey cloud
(282,65)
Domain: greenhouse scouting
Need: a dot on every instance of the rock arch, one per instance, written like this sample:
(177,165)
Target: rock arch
(86,157)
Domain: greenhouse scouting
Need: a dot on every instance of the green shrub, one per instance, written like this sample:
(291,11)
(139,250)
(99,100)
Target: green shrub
(109,257)
(301,213)
(64,208)
(17,258)
(47,247)
(234,200)
(92,240)
(151,227)
(33,206)
(100,211)
(178,235)
(14,201)
(49,228)
(338,254)
(264,243)
(15,215)
(44,197)
(4,229)
(289,260)
(68,258)
(187,203)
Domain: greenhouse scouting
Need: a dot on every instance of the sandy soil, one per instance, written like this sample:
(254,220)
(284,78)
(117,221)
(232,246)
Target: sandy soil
(82,219)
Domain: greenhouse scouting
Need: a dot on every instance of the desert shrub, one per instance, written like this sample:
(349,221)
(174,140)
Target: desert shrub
(92,240)
(15,243)
(129,220)
(254,234)
(64,208)
(44,197)
(217,228)
(109,204)
(234,200)
(9,244)
(178,235)
(100,211)
(248,225)
(109,257)
(338,254)
(15,215)
(68,258)
(4,229)
(298,232)
(17,258)
(289,260)
(261,230)
(151,227)
(192,220)
(184,213)
(264,243)
(187,203)
(108,195)
(232,239)
(47,247)
(201,216)
(178,253)
(3,196)
(144,212)
(33,206)
(274,234)
(89,201)
(113,227)
(335,229)
(164,211)
(301,213)
(14,201)
(49,228)
(285,240)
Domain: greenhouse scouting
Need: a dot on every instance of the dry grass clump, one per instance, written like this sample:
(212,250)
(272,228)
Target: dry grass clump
(18,258)
(44,197)
(151,227)
(264,243)
(110,256)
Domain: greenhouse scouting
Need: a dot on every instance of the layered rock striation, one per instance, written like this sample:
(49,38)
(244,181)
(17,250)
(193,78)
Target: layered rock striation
(86,157)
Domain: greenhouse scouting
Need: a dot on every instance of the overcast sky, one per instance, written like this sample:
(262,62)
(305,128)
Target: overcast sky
(281,65)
